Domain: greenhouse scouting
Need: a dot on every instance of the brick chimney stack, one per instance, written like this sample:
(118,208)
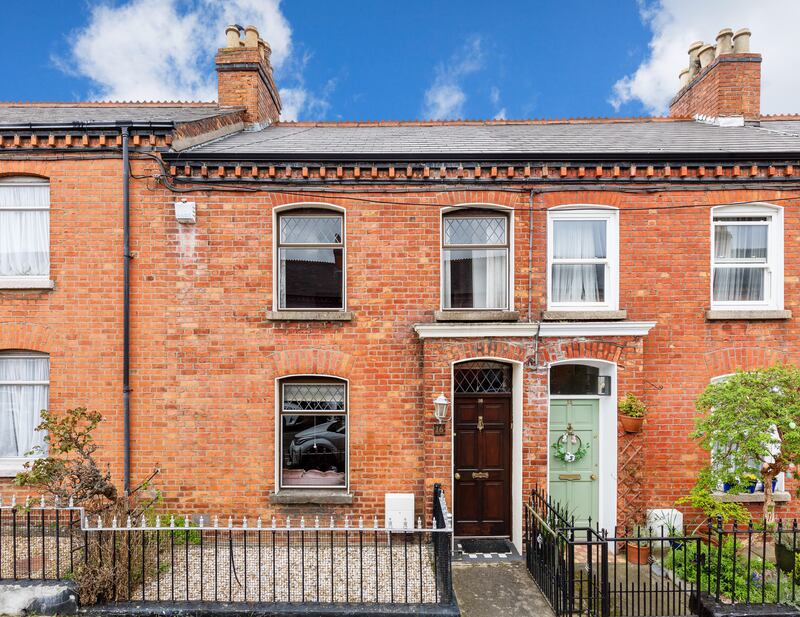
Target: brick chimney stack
(722,80)
(244,76)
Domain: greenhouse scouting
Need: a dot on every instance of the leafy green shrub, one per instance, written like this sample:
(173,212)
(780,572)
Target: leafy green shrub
(733,584)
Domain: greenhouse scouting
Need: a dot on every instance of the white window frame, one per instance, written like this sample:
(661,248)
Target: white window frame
(489,209)
(780,479)
(580,212)
(276,259)
(305,380)
(10,466)
(773,288)
(33,281)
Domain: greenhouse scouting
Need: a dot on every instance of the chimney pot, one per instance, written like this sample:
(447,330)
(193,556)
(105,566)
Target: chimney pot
(251,36)
(706,55)
(724,44)
(232,36)
(741,41)
(694,48)
(684,77)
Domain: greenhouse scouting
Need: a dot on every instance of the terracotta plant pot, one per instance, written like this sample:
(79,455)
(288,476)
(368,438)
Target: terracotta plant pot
(637,553)
(631,425)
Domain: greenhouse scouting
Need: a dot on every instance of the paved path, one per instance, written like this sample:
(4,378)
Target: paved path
(497,589)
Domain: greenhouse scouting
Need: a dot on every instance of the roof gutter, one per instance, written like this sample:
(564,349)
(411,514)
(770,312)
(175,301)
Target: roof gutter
(76,126)
(478,157)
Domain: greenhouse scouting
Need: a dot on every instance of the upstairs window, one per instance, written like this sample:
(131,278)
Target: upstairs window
(311,260)
(24,228)
(747,257)
(583,259)
(24,388)
(475,259)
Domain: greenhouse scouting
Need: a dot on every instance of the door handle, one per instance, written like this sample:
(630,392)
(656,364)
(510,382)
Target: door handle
(480,423)
(480,475)
(457,476)
(593,477)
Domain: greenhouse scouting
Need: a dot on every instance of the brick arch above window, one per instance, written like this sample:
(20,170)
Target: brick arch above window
(730,359)
(311,362)
(31,337)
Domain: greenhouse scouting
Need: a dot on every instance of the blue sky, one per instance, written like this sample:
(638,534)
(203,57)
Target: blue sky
(362,59)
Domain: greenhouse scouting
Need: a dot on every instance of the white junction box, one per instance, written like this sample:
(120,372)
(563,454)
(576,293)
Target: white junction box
(185,212)
(399,510)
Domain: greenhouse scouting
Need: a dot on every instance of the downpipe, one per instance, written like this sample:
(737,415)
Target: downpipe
(126,309)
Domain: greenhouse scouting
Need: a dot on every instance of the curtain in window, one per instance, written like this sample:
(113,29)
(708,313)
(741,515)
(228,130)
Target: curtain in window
(24,230)
(574,240)
(21,403)
(746,244)
(476,278)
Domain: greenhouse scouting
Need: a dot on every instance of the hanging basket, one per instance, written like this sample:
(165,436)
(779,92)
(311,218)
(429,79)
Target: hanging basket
(631,424)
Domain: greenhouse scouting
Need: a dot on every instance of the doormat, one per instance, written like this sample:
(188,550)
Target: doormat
(485,545)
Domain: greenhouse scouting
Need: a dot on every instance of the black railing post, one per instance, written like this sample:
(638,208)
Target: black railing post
(605,599)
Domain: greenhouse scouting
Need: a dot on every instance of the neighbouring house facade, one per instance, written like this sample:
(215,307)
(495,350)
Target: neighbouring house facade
(272,313)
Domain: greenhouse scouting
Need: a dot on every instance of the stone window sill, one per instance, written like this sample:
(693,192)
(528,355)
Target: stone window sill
(719,315)
(309,316)
(26,282)
(780,497)
(311,496)
(585,315)
(476,315)
(10,467)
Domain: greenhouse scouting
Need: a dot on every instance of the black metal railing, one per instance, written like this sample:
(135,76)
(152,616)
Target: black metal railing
(297,560)
(657,570)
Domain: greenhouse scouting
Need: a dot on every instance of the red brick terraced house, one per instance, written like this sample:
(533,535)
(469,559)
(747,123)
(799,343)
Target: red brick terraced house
(272,313)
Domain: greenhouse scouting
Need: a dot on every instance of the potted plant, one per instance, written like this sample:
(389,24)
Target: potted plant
(637,547)
(631,412)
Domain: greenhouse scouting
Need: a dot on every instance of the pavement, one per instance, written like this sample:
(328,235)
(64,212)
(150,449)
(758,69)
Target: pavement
(497,589)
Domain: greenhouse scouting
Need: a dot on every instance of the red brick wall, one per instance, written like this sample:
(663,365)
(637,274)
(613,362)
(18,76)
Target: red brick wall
(205,359)
(729,86)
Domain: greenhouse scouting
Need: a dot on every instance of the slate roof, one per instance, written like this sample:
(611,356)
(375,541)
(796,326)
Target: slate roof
(61,114)
(646,136)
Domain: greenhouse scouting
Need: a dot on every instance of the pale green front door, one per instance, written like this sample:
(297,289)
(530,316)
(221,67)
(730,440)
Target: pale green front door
(574,483)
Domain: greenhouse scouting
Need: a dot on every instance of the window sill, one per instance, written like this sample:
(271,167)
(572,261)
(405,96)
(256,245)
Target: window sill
(780,497)
(26,282)
(585,315)
(309,316)
(10,467)
(311,496)
(476,315)
(720,315)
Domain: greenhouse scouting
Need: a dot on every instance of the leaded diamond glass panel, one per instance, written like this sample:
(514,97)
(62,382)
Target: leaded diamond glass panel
(313,397)
(480,230)
(311,229)
(482,378)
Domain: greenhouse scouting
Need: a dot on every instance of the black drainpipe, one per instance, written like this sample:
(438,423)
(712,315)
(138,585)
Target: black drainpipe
(126,308)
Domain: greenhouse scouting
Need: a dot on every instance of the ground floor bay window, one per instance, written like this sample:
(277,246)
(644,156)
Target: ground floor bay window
(313,432)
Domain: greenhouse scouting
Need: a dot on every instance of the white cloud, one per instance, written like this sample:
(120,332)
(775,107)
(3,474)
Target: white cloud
(677,23)
(446,97)
(164,49)
(494,97)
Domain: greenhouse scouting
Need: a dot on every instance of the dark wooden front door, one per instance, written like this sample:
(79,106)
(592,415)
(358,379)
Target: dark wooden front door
(482,474)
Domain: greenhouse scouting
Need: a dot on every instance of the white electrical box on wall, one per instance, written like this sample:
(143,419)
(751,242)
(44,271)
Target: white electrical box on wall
(399,510)
(185,212)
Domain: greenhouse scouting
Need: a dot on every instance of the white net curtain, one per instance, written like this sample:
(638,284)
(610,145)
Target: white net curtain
(24,227)
(24,379)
